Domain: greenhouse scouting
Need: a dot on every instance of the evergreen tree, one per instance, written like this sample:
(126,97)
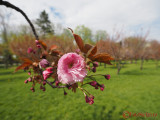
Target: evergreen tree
(44,23)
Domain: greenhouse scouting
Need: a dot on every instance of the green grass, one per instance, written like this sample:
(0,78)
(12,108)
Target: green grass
(133,90)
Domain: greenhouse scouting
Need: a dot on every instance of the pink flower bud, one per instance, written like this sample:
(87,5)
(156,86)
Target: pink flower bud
(44,63)
(65,93)
(95,64)
(44,82)
(91,102)
(32,89)
(57,83)
(30,79)
(102,87)
(30,50)
(93,83)
(94,69)
(39,46)
(41,87)
(44,89)
(29,73)
(107,77)
(37,42)
(26,81)
(69,87)
(87,99)
(91,96)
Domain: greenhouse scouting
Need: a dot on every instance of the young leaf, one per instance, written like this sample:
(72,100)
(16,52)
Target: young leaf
(79,42)
(43,44)
(92,51)
(53,47)
(102,57)
(26,63)
(87,47)
(26,60)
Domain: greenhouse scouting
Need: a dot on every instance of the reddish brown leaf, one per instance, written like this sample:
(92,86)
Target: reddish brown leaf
(79,42)
(44,55)
(92,51)
(102,57)
(87,47)
(26,63)
(22,66)
(53,47)
(43,44)
(26,60)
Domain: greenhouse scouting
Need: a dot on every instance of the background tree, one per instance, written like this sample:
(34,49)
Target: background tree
(101,35)
(155,51)
(85,33)
(7,55)
(44,24)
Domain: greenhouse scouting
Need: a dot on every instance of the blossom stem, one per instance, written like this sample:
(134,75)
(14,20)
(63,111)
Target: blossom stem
(95,75)
(82,89)
(53,86)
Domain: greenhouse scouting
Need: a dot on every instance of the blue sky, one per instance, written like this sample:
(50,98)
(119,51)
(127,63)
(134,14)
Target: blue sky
(130,15)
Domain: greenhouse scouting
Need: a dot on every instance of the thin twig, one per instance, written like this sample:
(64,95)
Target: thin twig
(53,86)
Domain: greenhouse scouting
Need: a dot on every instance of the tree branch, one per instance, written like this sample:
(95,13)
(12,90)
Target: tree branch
(53,86)
(7,4)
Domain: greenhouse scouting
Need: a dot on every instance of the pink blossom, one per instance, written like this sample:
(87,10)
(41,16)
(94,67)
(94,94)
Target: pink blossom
(47,73)
(44,63)
(71,68)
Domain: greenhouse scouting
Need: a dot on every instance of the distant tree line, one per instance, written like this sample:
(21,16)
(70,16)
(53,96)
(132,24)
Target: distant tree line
(16,42)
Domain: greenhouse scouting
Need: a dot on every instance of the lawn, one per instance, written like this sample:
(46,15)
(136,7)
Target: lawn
(133,90)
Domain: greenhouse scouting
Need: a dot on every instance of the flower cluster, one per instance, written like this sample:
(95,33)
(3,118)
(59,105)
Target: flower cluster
(70,70)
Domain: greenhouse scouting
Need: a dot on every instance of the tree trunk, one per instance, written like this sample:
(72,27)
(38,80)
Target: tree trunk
(142,60)
(156,63)
(104,65)
(135,61)
(118,67)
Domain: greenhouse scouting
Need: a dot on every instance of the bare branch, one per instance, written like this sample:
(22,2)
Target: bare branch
(7,4)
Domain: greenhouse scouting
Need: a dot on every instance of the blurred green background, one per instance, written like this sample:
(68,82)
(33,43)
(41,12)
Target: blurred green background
(132,90)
